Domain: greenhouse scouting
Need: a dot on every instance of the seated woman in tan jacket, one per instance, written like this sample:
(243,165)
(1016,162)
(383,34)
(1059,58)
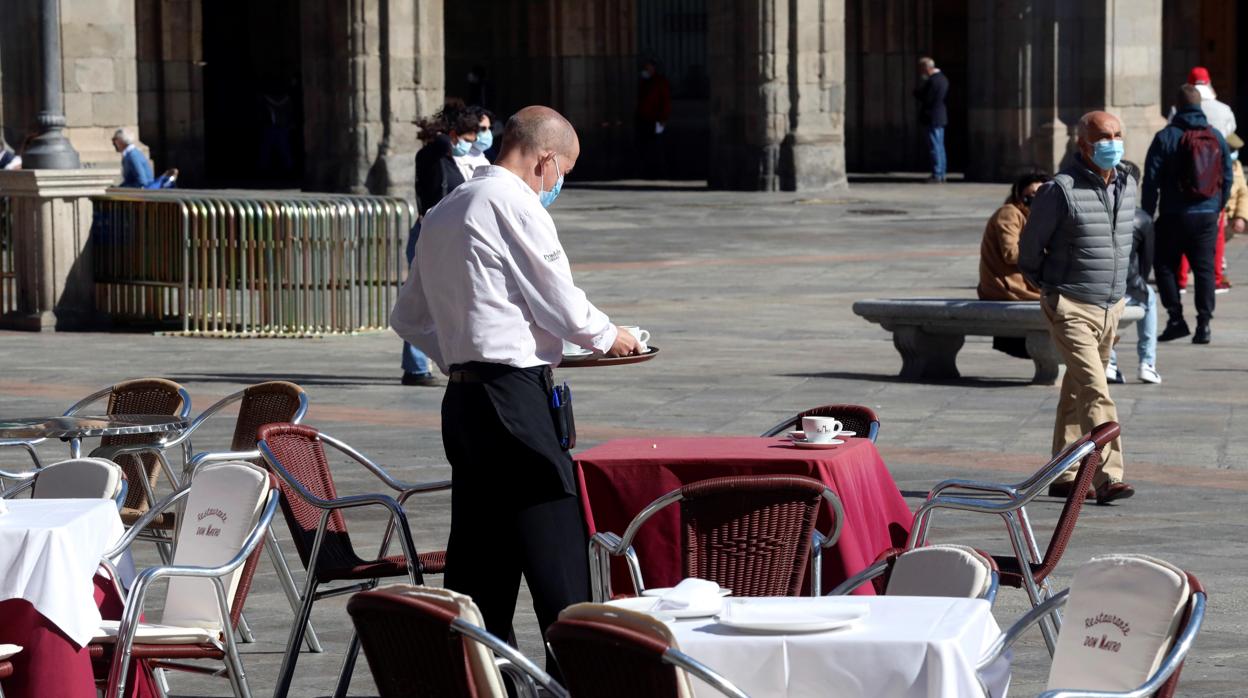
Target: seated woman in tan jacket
(999,277)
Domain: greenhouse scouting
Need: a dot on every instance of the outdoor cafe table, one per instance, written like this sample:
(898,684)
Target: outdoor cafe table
(50,550)
(619,478)
(905,647)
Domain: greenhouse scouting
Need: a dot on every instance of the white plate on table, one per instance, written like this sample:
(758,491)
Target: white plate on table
(818,621)
(660,591)
(647,604)
(800,435)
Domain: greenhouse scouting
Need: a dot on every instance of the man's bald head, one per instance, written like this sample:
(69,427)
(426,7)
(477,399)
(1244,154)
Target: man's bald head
(1097,126)
(540,130)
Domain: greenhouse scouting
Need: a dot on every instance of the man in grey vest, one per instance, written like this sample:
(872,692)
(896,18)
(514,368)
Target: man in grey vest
(1076,247)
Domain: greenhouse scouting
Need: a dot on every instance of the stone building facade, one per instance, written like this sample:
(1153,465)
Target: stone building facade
(767,94)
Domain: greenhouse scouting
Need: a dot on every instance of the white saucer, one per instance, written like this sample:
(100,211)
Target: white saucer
(801,435)
(578,354)
(814,447)
(814,625)
(760,618)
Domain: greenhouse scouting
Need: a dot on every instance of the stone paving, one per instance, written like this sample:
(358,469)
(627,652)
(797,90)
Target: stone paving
(749,297)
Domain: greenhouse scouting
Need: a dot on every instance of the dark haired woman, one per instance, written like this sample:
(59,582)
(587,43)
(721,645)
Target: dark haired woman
(449,133)
(999,277)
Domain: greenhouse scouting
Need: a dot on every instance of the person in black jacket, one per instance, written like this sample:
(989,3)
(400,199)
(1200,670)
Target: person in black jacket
(1140,294)
(448,133)
(931,94)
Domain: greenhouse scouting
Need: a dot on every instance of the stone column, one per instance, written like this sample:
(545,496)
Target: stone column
(50,149)
(1036,67)
(376,68)
(49,221)
(777,72)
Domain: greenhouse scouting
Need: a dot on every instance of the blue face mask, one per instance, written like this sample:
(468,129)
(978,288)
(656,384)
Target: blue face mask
(460,148)
(548,197)
(485,139)
(1107,154)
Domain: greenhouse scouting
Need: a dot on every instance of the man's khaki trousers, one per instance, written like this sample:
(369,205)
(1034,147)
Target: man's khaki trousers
(1084,334)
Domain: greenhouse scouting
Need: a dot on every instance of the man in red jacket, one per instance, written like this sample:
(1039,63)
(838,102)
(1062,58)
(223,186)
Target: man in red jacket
(654,107)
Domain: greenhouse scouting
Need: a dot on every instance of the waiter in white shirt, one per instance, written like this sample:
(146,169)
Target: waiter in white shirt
(490,299)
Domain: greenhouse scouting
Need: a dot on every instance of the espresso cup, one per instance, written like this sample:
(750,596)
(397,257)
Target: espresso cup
(820,430)
(571,349)
(642,336)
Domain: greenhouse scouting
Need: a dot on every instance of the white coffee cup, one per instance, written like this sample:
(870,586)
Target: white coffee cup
(820,430)
(642,336)
(571,349)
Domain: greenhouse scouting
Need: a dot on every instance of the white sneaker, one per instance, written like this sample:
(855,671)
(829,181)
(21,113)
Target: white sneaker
(1112,374)
(1148,374)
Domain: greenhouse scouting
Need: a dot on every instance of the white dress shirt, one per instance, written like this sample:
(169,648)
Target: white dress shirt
(490,281)
(469,163)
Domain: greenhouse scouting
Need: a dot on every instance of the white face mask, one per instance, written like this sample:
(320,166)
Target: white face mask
(1234,155)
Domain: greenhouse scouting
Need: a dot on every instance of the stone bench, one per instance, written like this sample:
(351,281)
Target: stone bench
(929,332)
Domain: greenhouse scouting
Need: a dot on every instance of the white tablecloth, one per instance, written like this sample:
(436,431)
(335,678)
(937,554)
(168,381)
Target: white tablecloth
(49,552)
(907,646)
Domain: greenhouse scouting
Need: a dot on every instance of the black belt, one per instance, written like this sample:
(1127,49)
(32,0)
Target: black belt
(463,376)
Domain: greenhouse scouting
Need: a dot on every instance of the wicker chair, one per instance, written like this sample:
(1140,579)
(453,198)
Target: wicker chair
(6,666)
(1026,568)
(260,404)
(208,580)
(933,570)
(423,642)
(855,418)
(1161,603)
(754,535)
(142,396)
(608,652)
(313,511)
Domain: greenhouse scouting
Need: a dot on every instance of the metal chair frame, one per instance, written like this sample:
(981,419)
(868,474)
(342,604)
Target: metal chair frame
(310,594)
(879,567)
(1012,510)
(142,583)
(1173,660)
(605,545)
(873,430)
(183,438)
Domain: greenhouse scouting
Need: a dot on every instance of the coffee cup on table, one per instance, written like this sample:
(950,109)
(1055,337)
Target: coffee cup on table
(820,430)
(642,336)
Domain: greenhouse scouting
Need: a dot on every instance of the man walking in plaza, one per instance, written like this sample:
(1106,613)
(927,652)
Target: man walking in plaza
(1189,168)
(931,93)
(1076,248)
(491,300)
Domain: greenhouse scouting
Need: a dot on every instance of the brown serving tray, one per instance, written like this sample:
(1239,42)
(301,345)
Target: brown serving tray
(599,360)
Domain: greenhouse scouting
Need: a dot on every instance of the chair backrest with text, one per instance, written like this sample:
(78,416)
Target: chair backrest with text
(1121,621)
(224,506)
(750,534)
(142,396)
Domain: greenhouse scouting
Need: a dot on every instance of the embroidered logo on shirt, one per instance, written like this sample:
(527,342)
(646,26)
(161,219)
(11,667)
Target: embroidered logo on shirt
(553,256)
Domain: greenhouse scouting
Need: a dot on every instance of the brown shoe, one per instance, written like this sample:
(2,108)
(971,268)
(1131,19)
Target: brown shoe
(1111,490)
(1061,490)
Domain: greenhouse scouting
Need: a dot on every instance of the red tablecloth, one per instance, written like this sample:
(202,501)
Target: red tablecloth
(619,478)
(50,664)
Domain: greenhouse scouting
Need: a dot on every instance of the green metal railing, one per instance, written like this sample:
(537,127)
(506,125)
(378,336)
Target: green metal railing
(248,263)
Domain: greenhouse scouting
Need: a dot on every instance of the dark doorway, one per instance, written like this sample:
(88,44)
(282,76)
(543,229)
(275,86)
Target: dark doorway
(673,34)
(883,43)
(1205,33)
(253,99)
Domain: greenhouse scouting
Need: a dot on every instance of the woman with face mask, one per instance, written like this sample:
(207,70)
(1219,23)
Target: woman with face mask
(449,134)
(999,277)
(476,156)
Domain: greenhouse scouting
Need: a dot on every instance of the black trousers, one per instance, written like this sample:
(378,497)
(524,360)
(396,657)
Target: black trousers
(1194,235)
(511,514)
